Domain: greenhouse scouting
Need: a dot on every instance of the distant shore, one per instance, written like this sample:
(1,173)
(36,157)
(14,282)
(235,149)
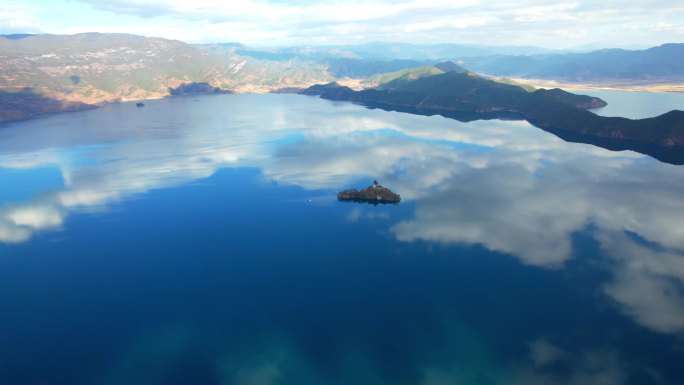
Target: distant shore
(75,102)
(358,84)
(603,86)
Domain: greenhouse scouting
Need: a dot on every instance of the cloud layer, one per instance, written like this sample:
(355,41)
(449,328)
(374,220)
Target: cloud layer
(565,24)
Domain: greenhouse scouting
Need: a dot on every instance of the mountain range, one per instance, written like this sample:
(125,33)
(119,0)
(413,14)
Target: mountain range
(51,73)
(657,64)
(662,63)
(379,51)
(96,67)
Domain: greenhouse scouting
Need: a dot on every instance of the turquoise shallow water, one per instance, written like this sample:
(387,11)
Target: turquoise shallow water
(198,240)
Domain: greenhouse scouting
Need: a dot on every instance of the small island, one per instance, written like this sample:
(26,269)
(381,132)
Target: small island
(374,194)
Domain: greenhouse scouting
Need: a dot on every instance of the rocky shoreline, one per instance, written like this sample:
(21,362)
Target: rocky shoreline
(374,194)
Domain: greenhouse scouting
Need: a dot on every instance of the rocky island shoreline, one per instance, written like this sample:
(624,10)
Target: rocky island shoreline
(374,194)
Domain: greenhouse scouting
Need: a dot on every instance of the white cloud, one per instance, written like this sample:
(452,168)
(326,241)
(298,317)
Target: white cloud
(19,222)
(611,23)
(647,284)
(36,217)
(11,233)
(17,18)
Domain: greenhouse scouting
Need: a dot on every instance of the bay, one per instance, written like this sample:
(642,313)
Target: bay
(198,240)
(637,105)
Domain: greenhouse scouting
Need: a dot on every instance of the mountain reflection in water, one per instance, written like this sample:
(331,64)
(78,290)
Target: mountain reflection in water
(504,186)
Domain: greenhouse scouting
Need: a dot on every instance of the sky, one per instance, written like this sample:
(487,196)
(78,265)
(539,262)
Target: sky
(587,24)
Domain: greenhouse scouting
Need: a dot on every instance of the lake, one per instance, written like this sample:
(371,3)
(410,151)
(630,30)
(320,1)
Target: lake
(198,240)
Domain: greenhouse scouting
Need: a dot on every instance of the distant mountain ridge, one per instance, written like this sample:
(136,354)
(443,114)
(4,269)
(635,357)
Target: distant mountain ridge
(97,67)
(384,51)
(16,36)
(665,62)
(656,64)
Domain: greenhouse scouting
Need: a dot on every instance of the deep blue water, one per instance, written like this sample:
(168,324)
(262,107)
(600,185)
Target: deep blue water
(198,241)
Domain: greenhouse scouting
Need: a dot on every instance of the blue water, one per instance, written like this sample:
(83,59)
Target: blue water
(199,241)
(637,105)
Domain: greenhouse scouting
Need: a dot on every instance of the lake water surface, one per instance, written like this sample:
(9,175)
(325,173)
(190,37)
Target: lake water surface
(199,241)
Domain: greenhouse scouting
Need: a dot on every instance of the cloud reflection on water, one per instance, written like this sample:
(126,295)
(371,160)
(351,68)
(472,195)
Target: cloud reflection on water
(504,185)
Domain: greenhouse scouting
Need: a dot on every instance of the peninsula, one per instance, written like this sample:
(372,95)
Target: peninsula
(466,96)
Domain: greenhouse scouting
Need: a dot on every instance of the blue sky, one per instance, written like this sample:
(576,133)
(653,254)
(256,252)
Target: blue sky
(607,23)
